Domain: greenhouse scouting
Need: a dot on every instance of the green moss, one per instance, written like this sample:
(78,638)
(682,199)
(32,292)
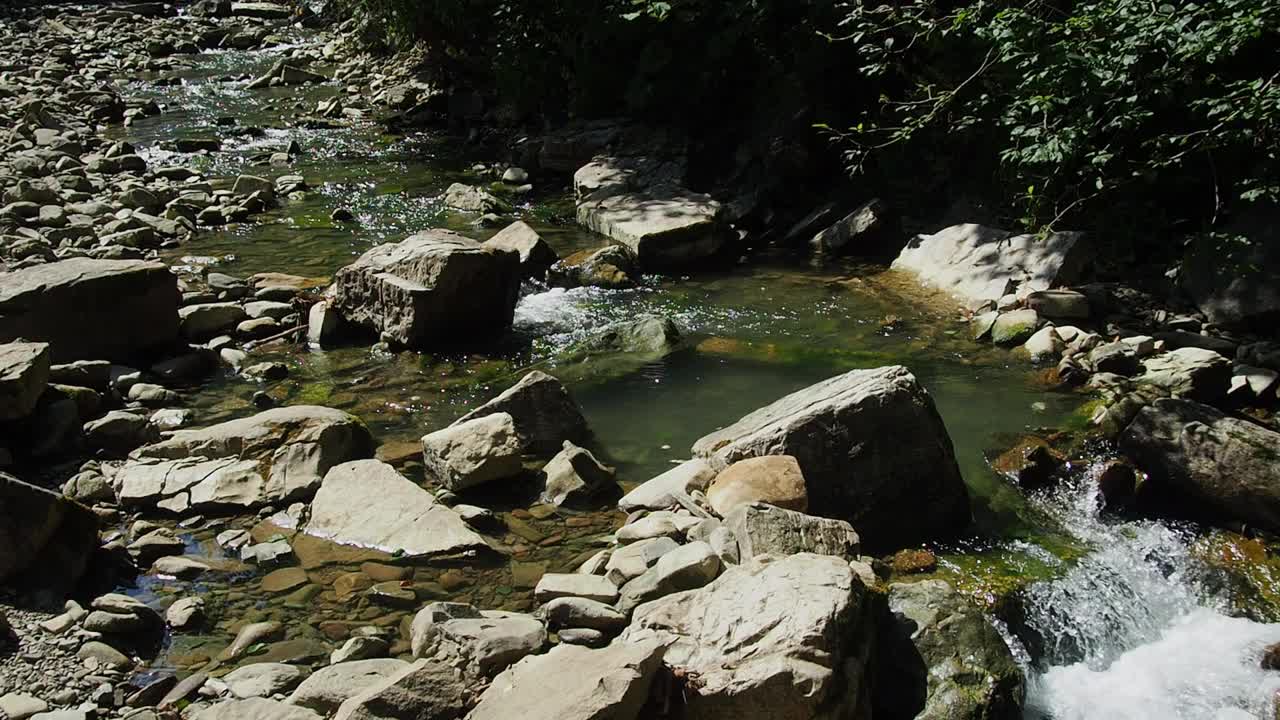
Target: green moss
(1247,571)
(315,393)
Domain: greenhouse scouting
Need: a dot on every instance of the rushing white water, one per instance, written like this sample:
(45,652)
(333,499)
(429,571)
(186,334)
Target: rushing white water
(1130,635)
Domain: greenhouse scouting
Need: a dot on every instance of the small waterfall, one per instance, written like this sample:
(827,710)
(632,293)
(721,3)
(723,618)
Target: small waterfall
(1129,634)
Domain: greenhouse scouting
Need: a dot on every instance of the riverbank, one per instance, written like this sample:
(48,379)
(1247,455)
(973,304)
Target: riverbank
(253,206)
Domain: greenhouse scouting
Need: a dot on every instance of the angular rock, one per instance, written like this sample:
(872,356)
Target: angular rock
(536,256)
(872,449)
(772,479)
(24,373)
(544,414)
(254,709)
(577,612)
(434,288)
(61,303)
(939,657)
(981,263)
(631,561)
(575,475)
(481,643)
(207,320)
(1014,328)
(46,541)
(264,679)
(1190,373)
(761,529)
(611,267)
(328,688)
(275,456)
(785,638)
(472,199)
(185,613)
(574,683)
(368,503)
(119,432)
(1213,464)
(663,229)
(657,493)
(474,452)
(426,690)
(868,230)
(1045,345)
(559,585)
(688,567)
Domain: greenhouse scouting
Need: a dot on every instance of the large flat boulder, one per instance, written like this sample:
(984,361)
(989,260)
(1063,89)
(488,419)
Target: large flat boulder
(326,689)
(426,690)
(368,504)
(275,456)
(432,289)
(46,541)
(24,372)
(574,683)
(976,263)
(780,638)
(760,529)
(480,643)
(664,229)
(873,451)
(1212,463)
(65,304)
(939,658)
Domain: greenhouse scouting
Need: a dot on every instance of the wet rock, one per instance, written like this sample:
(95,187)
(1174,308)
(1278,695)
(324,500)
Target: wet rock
(186,613)
(544,414)
(913,562)
(761,529)
(61,303)
(536,256)
(657,493)
(154,545)
(328,688)
(772,479)
(274,456)
(250,635)
(687,567)
(264,680)
(473,453)
(575,683)
(324,326)
(432,289)
(1014,328)
(367,503)
(183,568)
(254,709)
(574,475)
(872,449)
(24,372)
(622,346)
(427,689)
(46,541)
(981,263)
(1211,463)
(939,657)
(610,267)
(810,635)
(481,643)
(1117,486)
(284,580)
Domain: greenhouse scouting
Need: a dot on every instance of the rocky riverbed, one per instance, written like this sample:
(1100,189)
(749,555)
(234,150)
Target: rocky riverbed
(302,419)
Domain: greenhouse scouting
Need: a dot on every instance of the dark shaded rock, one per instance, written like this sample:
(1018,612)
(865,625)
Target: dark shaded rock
(46,541)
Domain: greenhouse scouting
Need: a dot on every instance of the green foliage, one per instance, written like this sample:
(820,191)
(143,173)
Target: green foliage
(1089,109)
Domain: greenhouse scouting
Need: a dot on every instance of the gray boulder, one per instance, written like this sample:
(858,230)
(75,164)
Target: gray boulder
(658,493)
(761,529)
(264,679)
(687,567)
(432,289)
(473,453)
(481,643)
(61,303)
(778,638)
(980,263)
(46,541)
(536,256)
(575,683)
(24,372)
(872,449)
(254,709)
(1214,464)
(368,503)
(1190,373)
(938,658)
(575,475)
(544,414)
(425,690)
(275,456)
(663,229)
(868,230)
(326,689)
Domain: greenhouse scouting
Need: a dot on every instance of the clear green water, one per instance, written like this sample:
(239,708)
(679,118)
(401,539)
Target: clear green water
(755,332)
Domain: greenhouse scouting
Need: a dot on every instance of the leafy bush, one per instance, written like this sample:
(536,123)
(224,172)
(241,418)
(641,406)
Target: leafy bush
(1091,112)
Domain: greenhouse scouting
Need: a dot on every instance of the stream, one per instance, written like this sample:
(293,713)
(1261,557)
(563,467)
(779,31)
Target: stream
(1128,620)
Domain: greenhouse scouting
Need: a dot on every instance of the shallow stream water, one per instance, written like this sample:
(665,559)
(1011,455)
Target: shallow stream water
(1129,631)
